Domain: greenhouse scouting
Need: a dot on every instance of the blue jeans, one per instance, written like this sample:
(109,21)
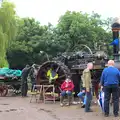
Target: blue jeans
(82,96)
(88,101)
(63,93)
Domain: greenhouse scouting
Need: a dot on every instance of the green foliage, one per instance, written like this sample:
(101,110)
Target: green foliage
(78,28)
(72,30)
(8,30)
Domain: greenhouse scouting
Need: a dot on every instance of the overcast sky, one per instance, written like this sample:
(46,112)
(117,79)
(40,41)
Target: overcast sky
(50,10)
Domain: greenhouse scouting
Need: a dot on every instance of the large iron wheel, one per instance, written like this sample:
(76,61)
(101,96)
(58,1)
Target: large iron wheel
(3,90)
(61,69)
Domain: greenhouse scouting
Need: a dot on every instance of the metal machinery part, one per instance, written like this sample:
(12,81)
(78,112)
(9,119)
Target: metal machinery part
(7,84)
(116,48)
(60,68)
(72,64)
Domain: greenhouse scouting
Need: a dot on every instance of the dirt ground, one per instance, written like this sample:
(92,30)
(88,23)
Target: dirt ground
(17,108)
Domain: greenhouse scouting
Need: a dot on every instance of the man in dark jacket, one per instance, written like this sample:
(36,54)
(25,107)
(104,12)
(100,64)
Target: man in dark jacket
(33,75)
(24,84)
(110,81)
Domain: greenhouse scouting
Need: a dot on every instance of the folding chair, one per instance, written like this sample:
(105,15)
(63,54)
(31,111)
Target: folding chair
(37,91)
(49,93)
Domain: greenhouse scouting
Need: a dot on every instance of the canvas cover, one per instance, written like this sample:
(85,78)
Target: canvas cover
(10,72)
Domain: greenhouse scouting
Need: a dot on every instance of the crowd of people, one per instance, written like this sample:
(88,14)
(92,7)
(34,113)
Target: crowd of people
(30,71)
(109,85)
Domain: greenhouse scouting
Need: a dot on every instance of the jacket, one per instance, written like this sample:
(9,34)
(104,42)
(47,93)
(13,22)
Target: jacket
(86,77)
(25,72)
(52,74)
(67,86)
(110,76)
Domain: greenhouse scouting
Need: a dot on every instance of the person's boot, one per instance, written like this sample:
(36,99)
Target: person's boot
(61,101)
(68,100)
(83,106)
(116,115)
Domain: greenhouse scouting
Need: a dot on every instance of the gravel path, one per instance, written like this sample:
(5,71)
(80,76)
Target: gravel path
(17,108)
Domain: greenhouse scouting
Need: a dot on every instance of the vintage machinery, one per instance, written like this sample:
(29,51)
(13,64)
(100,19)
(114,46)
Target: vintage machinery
(73,63)
(116,41)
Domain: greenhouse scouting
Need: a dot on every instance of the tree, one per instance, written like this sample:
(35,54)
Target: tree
(72,30)
(8,28)
(75,28)
(27,40)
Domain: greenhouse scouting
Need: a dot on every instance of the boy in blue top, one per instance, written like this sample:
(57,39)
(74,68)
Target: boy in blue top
(110,81)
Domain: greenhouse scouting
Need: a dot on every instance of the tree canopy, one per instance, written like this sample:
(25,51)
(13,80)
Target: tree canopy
(23,38)
(8,28)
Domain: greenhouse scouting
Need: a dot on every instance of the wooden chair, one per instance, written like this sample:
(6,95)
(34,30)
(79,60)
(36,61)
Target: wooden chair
(36,93)
(49,93)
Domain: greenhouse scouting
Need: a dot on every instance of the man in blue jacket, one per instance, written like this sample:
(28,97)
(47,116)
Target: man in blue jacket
(110,81)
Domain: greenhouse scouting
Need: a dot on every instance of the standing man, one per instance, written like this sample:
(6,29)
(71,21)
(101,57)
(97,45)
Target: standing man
(110,81)
(88,86)
(33,75)
(24,84)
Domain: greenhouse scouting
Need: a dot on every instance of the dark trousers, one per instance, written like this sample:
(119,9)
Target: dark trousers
(114,90)
(88,101)
(33,82)
(95,89)
(24,87)
(33,86)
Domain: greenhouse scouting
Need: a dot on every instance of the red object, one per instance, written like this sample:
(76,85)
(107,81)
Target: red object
(67,86)
(2,78)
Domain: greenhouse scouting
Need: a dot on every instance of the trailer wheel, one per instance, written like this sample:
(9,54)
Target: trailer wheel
(3,90)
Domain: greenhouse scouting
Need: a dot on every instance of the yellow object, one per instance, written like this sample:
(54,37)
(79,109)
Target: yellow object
(49,74)
(51,93)
(33,93)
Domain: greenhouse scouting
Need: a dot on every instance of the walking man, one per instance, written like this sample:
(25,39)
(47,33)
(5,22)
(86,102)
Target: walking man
(88,86)
(110,82)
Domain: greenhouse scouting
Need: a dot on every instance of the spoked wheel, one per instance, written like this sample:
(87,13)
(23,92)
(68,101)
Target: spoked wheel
(15,89)
(59,68)
(3,90)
